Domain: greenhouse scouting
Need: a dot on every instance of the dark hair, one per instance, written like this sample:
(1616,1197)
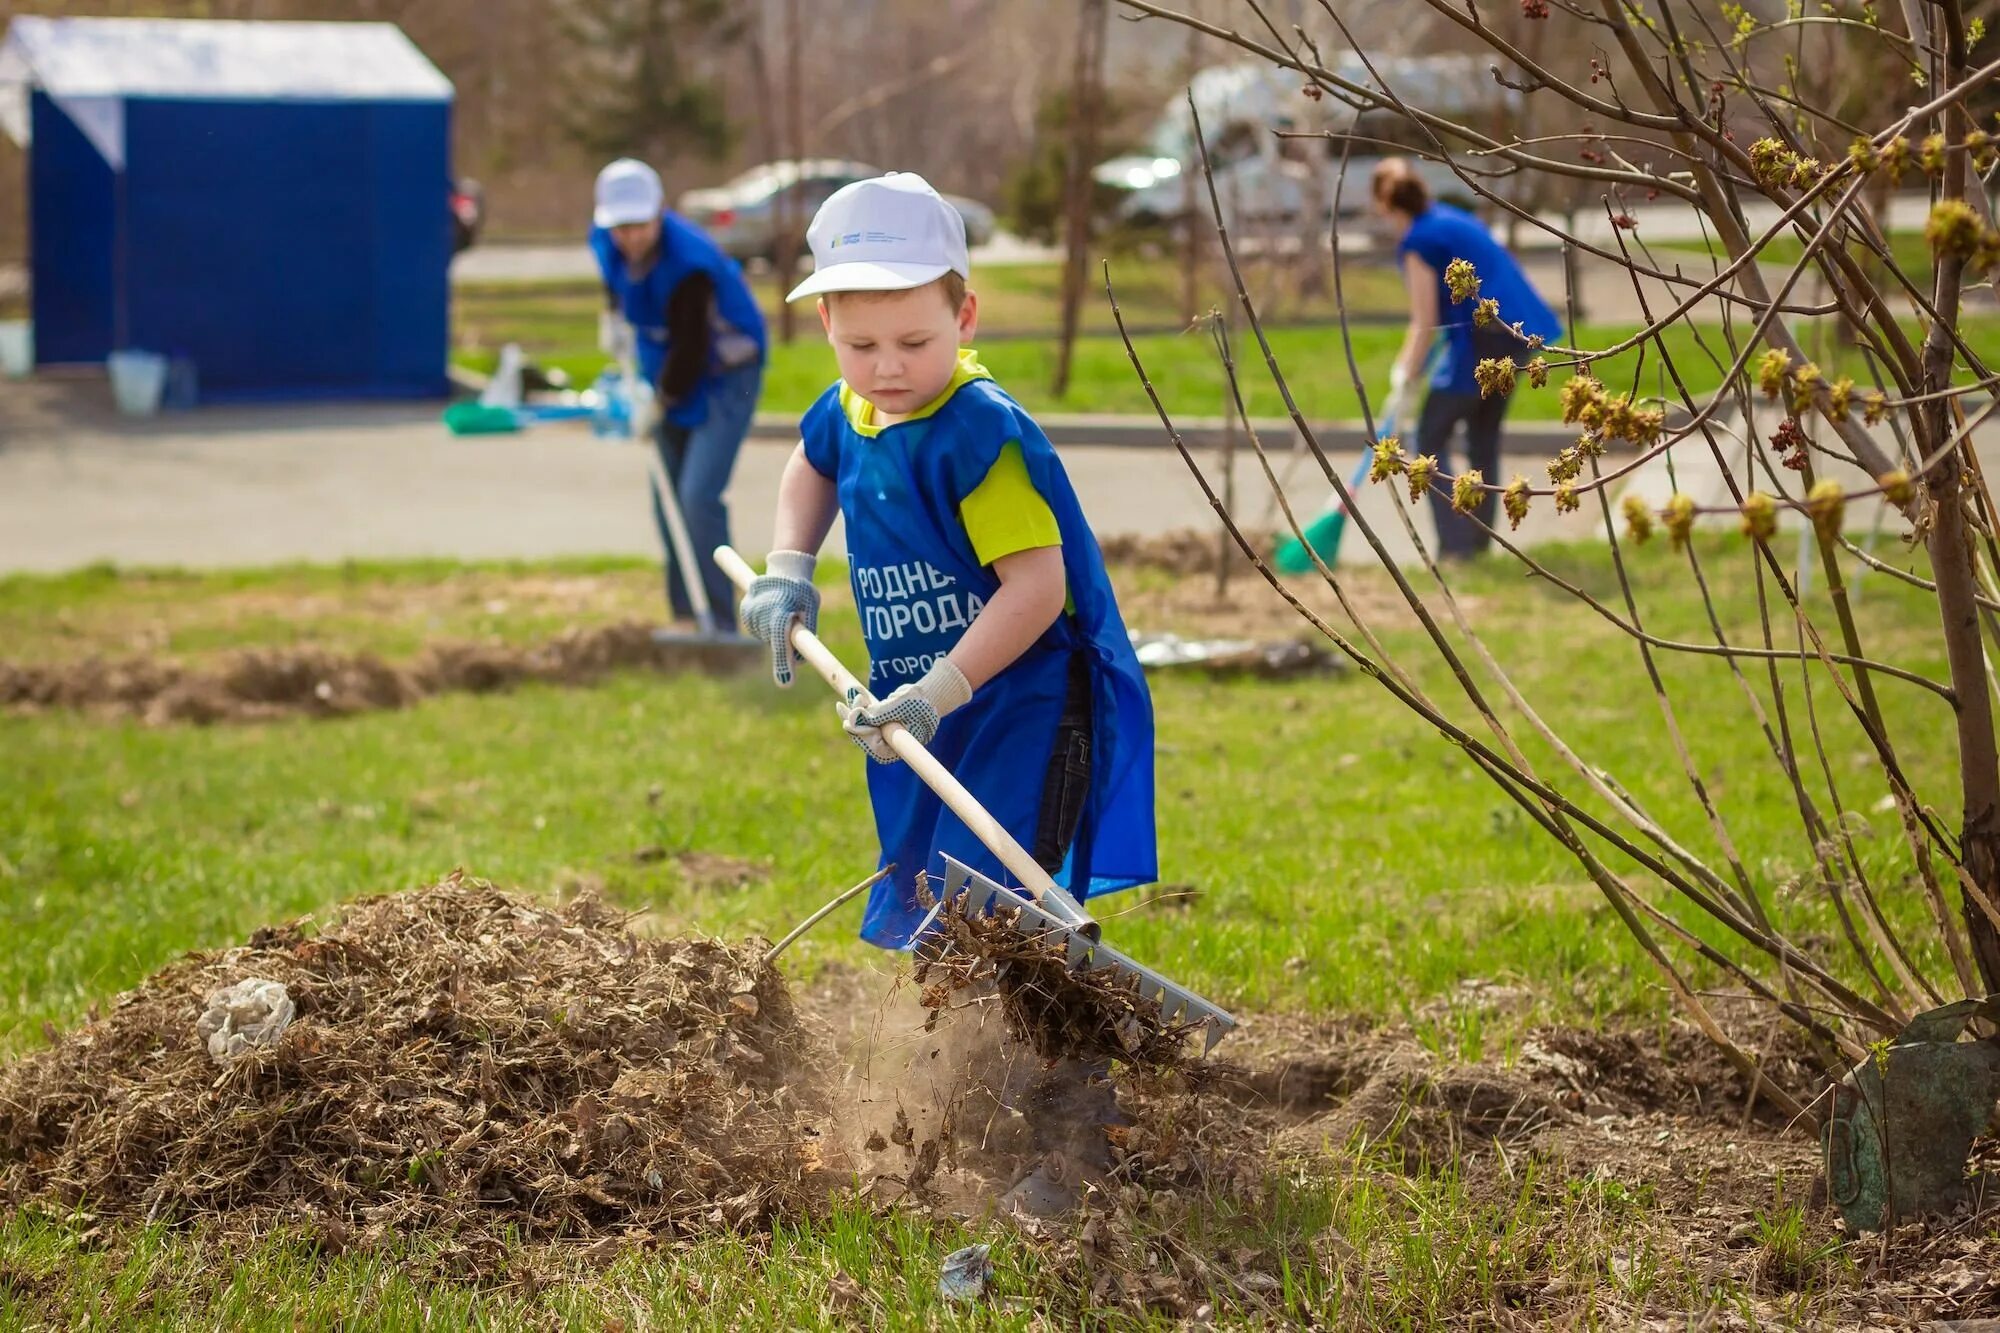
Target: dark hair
(1397,186)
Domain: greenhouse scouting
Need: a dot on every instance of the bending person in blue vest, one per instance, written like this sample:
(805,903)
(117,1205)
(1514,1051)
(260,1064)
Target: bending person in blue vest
(1430,236)
(699,343)
(992,630)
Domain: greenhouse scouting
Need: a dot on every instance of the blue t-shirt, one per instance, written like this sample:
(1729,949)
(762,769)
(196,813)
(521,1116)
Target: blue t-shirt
(1441,234)
(918,583)
(736,325)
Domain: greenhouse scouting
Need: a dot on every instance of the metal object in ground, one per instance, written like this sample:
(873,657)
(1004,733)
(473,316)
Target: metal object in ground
(964,1274)
(1044,907)
(1904,1119)
(1055,914)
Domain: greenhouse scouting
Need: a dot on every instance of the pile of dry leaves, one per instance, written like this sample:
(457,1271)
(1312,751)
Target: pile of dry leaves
(460,1059)
(1057,1010)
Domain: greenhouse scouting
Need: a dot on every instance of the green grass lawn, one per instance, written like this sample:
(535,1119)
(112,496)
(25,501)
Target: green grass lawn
(1908,248)
(560,331)
(1015,300)
(1345,861)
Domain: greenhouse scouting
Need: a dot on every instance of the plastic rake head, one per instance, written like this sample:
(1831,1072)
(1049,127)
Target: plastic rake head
(1068,923)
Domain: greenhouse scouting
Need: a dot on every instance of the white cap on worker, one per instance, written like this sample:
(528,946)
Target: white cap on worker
(628,191)
(887,234)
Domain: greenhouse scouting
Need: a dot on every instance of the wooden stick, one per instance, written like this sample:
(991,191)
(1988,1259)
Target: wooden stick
(911,751)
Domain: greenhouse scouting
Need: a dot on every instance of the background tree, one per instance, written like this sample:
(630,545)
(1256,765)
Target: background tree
(632,81)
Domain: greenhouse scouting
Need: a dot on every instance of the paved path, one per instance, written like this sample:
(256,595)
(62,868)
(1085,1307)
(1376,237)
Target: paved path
(249,486)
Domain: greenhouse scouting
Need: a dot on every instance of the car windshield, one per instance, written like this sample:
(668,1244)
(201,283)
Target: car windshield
(770,176)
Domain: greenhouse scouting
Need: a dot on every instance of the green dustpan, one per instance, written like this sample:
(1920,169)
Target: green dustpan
(472,417)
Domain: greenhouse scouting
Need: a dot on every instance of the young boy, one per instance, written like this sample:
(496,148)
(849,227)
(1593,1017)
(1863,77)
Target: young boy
(992,631)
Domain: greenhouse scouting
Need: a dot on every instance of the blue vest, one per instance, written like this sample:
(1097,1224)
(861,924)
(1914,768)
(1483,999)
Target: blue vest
(918,584)
(736,325)
(1441,234)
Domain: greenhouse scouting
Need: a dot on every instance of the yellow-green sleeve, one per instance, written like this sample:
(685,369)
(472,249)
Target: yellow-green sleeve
(1005,513)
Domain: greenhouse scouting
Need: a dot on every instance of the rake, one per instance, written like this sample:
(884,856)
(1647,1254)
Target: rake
(1040,908)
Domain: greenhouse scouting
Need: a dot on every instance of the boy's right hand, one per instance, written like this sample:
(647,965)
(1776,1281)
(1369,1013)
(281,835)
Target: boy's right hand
(783,593)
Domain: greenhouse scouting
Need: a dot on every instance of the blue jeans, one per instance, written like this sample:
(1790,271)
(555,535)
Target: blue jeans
(699,459)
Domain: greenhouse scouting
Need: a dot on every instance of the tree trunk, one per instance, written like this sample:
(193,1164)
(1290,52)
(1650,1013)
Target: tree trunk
(1952,564)
(791,227)
(1190,205)
(1084,98)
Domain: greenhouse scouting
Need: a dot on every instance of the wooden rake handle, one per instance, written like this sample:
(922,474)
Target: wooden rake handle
(911,751)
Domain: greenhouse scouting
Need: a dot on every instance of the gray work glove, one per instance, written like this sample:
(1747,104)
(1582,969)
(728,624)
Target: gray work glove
(783,593)
(614,336)
(919,706)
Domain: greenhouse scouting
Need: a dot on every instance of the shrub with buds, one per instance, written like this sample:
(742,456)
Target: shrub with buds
(1804,381)
(1930,154)
(1978,145)
(1567,499)
(1421,471)
(1896,488)
(1515,500)
(1638,518)
(1759,516)
(1494,375)
(1679,518)
(1581,394)
(1770,162)
(1790,443)
(1538,372)
(1388,459)
(1468,490)
(1566,465)
(1874,407)
(1773,370)
(1826,505)
(1952,229)
(1461,279)
(1839,396)
(1896,158)
(1625,420)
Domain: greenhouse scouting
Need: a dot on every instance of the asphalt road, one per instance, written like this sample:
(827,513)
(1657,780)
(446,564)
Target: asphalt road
(249,486)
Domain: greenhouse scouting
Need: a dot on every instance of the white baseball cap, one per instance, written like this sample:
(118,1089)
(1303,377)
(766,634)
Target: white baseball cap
(886,234)
(628,191)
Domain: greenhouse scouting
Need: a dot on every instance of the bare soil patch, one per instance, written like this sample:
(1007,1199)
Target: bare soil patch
(260,685)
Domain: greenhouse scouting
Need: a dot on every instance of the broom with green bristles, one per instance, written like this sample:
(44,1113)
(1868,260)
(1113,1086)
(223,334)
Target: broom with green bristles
(1323,533)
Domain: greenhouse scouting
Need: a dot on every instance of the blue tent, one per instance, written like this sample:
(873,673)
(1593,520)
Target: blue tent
(268,200)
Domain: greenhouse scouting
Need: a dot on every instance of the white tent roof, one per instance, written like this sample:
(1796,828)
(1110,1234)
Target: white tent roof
(89,66)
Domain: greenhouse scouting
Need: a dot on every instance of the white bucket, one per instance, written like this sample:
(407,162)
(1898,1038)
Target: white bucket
(137,380)
(17,348)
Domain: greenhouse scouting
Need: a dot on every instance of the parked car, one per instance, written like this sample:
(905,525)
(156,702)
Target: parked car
(1264,178)
(468,213)
(743,214)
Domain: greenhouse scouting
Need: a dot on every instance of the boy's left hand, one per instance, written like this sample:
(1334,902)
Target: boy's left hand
(918,706)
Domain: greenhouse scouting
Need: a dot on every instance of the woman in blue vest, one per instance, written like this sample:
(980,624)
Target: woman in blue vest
(699,343)
(1429,237)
